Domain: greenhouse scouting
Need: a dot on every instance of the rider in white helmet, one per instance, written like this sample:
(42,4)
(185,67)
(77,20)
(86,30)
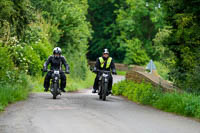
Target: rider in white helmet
(56,61)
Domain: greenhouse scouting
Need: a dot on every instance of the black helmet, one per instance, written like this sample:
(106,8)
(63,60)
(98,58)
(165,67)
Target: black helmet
(57,50)
(106,51)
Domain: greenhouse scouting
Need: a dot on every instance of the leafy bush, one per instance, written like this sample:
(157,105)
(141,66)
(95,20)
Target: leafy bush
(181,103)
(135,54)
(162,70)
(6,65)
(43,49)
(26,59)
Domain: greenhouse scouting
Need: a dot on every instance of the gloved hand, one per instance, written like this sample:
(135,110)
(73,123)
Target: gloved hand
(67,69)
(114,72)
(67,72)
(44,69)
(95,70)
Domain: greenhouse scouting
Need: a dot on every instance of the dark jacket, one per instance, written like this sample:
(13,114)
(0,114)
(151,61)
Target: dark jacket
(56,63)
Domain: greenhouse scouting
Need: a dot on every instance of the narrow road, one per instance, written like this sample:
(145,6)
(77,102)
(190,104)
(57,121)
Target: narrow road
(83,112)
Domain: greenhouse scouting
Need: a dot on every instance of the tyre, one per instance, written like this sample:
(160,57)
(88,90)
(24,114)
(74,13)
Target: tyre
(54,96)
(100,96)
(104,91)
(55,93)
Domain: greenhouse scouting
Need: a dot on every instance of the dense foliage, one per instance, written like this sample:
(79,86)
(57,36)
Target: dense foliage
(122,25)
(180,39)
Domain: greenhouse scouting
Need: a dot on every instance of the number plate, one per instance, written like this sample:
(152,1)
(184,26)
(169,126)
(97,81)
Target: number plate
(105,75)
(56,72)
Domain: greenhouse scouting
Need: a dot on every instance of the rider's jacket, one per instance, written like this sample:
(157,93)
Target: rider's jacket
(105,64)
(56,63)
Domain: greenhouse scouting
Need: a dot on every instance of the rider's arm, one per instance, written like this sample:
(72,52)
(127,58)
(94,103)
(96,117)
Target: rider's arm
(65,63)
(112,65)
(47,62)
(96,67)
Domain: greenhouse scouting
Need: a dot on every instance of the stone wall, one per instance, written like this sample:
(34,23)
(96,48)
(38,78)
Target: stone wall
(155,80)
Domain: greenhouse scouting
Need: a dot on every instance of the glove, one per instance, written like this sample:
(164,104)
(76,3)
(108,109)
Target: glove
(114,72)
(44,69)
(67,72)
(95,70)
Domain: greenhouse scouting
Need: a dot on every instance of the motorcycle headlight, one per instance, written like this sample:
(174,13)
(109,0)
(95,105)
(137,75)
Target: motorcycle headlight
(106,80)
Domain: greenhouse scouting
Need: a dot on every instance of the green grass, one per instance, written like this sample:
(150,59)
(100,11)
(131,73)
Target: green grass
(12,92)
(185,104)
(77,84)
(123,73)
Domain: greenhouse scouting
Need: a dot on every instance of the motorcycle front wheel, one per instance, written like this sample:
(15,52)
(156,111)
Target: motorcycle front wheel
(104,91)
(55,90)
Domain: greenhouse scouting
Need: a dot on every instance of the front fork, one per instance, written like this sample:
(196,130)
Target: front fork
(102,82)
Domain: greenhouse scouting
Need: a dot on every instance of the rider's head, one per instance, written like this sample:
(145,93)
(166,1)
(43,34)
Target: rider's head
(105,53)
(57,52)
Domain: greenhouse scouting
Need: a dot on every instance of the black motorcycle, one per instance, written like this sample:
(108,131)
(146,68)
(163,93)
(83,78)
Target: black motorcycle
(54,83)
(103,84)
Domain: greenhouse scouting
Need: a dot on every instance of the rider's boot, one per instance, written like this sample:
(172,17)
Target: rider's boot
(110,91)
(94,90)
(45,89)
(63,90)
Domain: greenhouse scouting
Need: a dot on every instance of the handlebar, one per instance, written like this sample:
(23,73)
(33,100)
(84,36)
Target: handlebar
(50,71)
(103,71)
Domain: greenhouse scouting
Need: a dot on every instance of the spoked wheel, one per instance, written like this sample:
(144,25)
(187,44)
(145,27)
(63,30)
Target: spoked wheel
(55,86)
(104,91)
(100,90)
(54,96)
(100,96)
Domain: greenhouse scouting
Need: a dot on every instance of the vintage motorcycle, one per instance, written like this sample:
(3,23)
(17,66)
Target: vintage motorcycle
(103,84)
(54,83)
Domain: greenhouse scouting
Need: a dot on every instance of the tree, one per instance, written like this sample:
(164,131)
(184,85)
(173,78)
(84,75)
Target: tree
(183,17)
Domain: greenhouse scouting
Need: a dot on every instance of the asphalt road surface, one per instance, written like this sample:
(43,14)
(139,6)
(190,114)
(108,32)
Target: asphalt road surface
(83,112)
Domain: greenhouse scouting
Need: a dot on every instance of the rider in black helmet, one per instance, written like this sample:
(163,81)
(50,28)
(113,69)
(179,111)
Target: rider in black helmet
(56,61)
(104,63)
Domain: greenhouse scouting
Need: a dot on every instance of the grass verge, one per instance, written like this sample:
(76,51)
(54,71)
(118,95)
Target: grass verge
(12,92)
(123,73)
(180,103)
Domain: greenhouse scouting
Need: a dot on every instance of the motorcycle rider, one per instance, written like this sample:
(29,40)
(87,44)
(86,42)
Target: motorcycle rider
(56,61)
(104,63)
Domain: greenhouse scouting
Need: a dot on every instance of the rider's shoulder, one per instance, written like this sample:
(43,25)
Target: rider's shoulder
(99,58)
(62,57)
(50,57)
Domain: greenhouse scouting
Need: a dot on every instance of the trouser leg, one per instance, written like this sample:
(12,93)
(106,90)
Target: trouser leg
(63,81)
(110,83)
(95,86)
(47,80)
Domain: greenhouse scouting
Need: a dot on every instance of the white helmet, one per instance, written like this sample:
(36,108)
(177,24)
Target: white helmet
(106,51)
(57,50)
